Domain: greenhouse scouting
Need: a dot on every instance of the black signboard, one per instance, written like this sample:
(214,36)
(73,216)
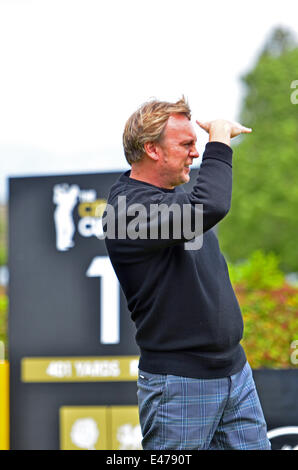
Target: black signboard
(71,339)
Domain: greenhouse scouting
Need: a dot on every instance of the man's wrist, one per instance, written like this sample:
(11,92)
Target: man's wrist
(220,134)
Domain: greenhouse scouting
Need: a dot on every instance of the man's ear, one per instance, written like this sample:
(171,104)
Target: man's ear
(152,149)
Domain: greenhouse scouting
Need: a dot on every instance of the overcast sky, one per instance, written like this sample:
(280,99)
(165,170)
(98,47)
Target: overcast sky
(72,71)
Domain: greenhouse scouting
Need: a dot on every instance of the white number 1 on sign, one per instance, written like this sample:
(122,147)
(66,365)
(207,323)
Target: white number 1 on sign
(101,267)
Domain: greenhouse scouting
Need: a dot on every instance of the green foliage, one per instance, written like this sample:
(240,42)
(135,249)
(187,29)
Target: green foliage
(270,311)
(263,213)
(260,271)
(3,255)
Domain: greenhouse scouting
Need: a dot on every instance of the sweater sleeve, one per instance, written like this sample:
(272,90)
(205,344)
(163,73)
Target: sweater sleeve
(213,187)
(155,219)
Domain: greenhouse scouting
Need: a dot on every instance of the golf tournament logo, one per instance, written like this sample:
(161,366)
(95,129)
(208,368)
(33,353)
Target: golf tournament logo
(83,428)
(90,209)
(284,438)
(100,428)
(129,437)
(122,221)
(84,433)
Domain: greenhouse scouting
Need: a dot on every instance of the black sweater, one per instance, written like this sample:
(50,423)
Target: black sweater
(186,314)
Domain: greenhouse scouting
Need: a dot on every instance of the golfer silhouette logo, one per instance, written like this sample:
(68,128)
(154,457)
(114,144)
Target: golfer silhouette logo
(65,197)
(84,433)
(129,437)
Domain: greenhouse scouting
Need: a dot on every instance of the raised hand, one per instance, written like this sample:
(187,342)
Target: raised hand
(221,130)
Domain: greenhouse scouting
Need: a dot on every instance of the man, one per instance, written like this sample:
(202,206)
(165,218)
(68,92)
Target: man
(195,387)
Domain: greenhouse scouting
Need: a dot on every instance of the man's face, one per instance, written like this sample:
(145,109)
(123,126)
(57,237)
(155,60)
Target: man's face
(177,150)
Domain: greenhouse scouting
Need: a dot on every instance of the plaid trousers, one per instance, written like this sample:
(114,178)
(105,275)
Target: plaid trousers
(184,413)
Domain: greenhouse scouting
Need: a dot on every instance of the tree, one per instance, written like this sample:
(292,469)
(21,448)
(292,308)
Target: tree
(264,206)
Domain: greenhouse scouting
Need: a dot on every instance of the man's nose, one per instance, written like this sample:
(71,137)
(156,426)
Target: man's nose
(194,152)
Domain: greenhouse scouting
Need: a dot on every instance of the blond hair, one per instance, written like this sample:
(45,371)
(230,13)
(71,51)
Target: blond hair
(147,125)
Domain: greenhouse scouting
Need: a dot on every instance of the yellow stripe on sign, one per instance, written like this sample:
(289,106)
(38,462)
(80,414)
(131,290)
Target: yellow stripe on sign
(79,369)
(4,405)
